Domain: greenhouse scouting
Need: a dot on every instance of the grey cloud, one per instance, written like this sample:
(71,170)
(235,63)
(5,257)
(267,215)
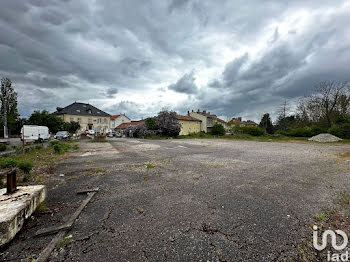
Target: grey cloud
(57,51)
(111,92)
(185,84)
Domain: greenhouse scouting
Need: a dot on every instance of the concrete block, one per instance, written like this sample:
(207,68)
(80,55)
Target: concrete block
(17,207)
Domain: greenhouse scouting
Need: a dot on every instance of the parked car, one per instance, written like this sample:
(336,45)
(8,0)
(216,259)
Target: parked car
(111,134)
(36,133)
(91,132)
(62,135)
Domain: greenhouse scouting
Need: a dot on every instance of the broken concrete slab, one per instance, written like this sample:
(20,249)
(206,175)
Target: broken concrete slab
(17,207)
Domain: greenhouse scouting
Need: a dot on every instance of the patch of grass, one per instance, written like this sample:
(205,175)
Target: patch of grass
(25,165)
(38,147)
(3,147)
(42,207)
(64,241)
(150,165)
(29,177)
(61,148)
(7,162)
(75,147)
(246,137)
(96,171)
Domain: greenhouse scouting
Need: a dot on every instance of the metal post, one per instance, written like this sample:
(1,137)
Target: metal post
(11,181)
(22,136)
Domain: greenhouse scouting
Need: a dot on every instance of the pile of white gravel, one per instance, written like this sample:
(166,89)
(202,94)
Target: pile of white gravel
(325,138)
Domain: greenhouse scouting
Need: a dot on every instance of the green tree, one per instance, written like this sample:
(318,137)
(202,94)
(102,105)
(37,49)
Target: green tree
(266,123)
(43,118)
(8,99)
(218,130)
(74,126)
(150,123)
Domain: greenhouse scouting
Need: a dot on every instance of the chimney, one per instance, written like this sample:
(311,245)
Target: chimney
(188,113)
(204,111)
(59,109)
(198,111)
(192,110)
(240,118)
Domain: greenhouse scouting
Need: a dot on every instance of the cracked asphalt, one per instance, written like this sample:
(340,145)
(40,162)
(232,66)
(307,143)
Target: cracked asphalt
(204,200)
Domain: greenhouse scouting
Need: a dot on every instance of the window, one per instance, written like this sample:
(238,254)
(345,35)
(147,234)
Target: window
(79,119)
(71,119)
(105,120)
(95,120)
(78,110)
(89,111)
(90,120)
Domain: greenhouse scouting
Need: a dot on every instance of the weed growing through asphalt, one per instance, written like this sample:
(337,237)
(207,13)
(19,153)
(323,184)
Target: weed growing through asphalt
(150,165)
(323,217)
(64,241)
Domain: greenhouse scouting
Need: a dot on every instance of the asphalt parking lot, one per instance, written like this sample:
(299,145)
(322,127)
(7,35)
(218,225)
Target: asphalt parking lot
(188,200)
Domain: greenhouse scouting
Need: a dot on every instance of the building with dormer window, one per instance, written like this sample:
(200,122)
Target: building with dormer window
(88,116)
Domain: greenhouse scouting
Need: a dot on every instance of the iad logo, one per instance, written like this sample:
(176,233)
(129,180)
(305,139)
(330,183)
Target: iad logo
(333,238)
(335,256)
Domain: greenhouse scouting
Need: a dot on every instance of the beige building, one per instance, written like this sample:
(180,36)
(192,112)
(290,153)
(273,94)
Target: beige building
(189,124)
(207,119)
(88,116)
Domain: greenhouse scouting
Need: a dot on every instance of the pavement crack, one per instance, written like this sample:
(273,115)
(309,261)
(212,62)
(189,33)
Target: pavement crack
(218,253)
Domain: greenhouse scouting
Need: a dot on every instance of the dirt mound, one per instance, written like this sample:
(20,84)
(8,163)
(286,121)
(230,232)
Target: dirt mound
(325,138)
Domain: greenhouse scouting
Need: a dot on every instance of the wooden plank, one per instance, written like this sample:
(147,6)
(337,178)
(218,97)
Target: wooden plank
(45,254)
(69,223)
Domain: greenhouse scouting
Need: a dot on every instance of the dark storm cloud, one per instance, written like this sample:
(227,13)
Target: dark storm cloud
(111,92)
(185,84)
(57,52)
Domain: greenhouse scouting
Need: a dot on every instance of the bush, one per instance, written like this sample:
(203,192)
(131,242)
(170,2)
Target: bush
(342,131)
(25,166)
(54,142)
(7,162)
(2,147)
(38,147)
(249,130)
(300,132)
(253,130)
(60,148)
(316,130)
(218,130)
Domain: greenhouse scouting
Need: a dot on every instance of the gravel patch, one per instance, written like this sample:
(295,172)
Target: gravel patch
(324,138)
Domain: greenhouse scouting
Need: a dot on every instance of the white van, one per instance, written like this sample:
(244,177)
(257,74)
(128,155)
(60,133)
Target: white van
(32,132)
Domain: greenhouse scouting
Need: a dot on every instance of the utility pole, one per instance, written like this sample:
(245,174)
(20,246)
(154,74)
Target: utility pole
(22,136)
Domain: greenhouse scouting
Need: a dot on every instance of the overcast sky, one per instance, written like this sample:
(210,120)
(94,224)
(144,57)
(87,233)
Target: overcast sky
(232,58)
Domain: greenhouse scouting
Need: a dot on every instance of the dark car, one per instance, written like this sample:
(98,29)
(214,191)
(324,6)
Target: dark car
(111,134)
(62,135)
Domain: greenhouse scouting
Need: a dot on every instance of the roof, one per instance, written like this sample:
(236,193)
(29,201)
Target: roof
(114,117)
(187,118)
(80,109)
(220,120)
(132,123)
(250,123)
(235,121)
